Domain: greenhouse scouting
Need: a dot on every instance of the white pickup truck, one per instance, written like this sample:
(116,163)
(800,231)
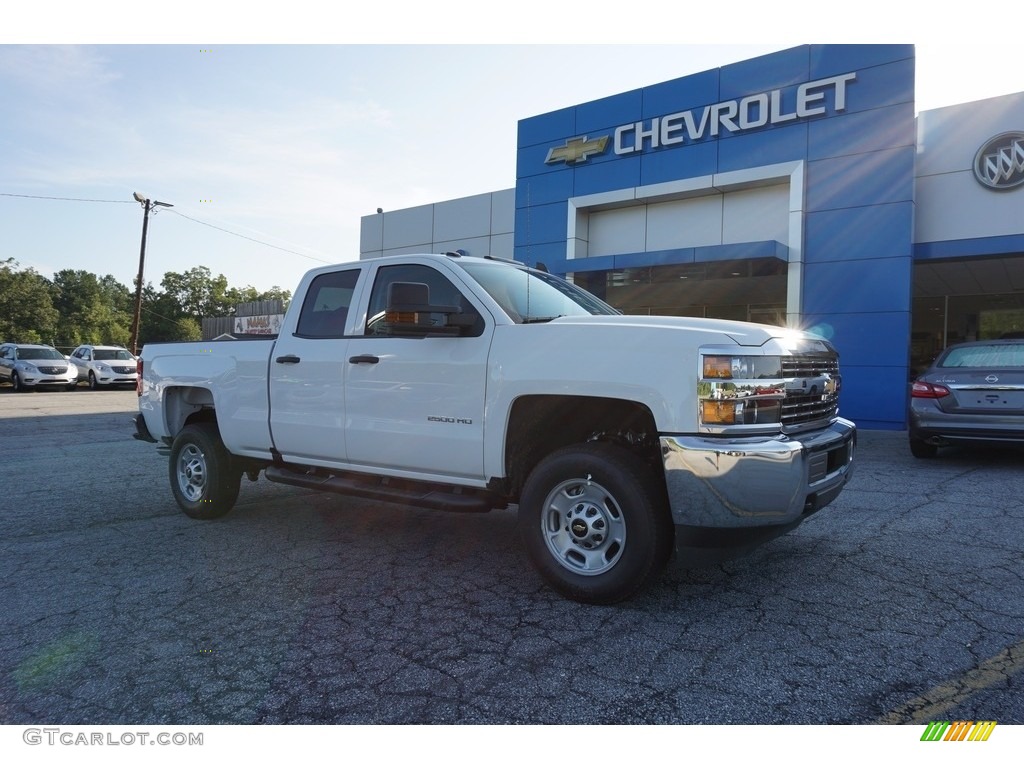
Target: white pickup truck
(468,384)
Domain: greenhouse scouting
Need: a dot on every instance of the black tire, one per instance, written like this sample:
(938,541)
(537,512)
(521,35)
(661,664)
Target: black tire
(203,477)
(93,384)
(922,450)
(16,384)
(595,523)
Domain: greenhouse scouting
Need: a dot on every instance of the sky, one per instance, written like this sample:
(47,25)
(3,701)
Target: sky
(272,135)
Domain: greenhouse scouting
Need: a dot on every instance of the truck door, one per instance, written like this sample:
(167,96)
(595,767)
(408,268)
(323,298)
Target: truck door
(307,374)
(416,403)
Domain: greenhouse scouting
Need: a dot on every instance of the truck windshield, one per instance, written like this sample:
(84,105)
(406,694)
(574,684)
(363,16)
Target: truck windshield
(528,296)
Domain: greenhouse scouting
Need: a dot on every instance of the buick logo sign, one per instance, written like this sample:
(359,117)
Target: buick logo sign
(999,164)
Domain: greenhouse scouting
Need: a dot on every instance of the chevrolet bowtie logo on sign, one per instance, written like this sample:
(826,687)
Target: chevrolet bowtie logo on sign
(577,150)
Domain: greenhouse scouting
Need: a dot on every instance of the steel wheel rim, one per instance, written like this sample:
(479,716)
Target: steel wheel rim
(583,527)
(192,473)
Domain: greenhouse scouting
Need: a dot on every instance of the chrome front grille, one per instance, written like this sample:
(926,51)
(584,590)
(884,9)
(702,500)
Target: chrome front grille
(53,370)
(124,369)
(805,366)
(812,388)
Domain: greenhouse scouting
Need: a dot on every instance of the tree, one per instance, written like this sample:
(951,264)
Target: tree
(92,309)
(160,315)
(27,313)
(197,293)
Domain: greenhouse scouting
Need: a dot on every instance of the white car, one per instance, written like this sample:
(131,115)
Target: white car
(28,366)
(104,366)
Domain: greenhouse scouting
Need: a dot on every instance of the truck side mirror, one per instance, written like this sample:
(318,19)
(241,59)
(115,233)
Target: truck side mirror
(409,312)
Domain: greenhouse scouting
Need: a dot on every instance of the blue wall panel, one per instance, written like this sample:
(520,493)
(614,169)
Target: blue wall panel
(605,113)
(828,60)
(874,397)
(600,177)
(765,73)
(655,258)
(689,92)
(860,132)
(865,338)
(542,224)
(765,147)
(886,176)
(882,86)
(870,232)
(554,187)
(872,285)
(591,264)
(975,246)
(552,254)
(547,127)
(675,163)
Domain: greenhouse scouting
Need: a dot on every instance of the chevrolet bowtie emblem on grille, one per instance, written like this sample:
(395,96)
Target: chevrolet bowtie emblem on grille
(577,150)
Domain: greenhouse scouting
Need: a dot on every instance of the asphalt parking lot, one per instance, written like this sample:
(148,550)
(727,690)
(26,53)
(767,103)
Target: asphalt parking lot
(902,602)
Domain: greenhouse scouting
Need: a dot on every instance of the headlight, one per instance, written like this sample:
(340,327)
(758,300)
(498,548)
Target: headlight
(26,367)
(740,390)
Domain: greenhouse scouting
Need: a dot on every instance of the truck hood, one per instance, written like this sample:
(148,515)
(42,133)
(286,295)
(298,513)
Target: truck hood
(744,334)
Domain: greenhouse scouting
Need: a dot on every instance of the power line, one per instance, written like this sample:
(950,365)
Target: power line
(73,199)
(245,237)
(177,213)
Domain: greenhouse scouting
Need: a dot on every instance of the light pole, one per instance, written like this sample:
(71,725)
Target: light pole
(147,206)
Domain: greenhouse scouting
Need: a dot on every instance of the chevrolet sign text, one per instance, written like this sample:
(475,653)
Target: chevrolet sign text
(734,116)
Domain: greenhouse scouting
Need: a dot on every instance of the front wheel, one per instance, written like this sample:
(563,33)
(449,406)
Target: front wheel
(203,479)
(93,382)
(16,384)
(594,521)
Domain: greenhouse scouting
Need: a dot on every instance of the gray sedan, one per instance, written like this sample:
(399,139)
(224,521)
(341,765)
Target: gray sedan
(972,394)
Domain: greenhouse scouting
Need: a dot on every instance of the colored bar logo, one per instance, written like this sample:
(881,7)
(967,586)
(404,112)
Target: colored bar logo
(959,730)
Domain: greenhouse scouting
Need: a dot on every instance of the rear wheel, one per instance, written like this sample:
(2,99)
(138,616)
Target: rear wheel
(595,523)
(922,450)
(203,477)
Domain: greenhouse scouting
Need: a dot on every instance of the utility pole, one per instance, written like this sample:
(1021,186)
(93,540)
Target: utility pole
(147,206)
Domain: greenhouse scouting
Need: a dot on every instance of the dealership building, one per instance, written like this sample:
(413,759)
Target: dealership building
(799,188)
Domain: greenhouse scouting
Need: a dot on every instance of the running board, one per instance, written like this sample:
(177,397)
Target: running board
(407,492)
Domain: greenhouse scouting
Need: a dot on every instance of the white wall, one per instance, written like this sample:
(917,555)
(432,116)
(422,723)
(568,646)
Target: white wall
(481,225)
(950,204)
(741,216)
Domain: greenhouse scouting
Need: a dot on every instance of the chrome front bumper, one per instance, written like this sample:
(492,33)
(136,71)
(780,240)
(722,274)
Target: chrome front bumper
(747,482)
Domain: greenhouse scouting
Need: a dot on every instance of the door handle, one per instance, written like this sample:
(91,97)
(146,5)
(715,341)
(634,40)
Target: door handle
(364,359)
(287,359)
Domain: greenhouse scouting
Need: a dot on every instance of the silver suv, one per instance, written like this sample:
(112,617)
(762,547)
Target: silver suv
(104,366)
(28,366)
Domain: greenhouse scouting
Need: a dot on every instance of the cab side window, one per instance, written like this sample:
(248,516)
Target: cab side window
(441,292)
(325,309)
